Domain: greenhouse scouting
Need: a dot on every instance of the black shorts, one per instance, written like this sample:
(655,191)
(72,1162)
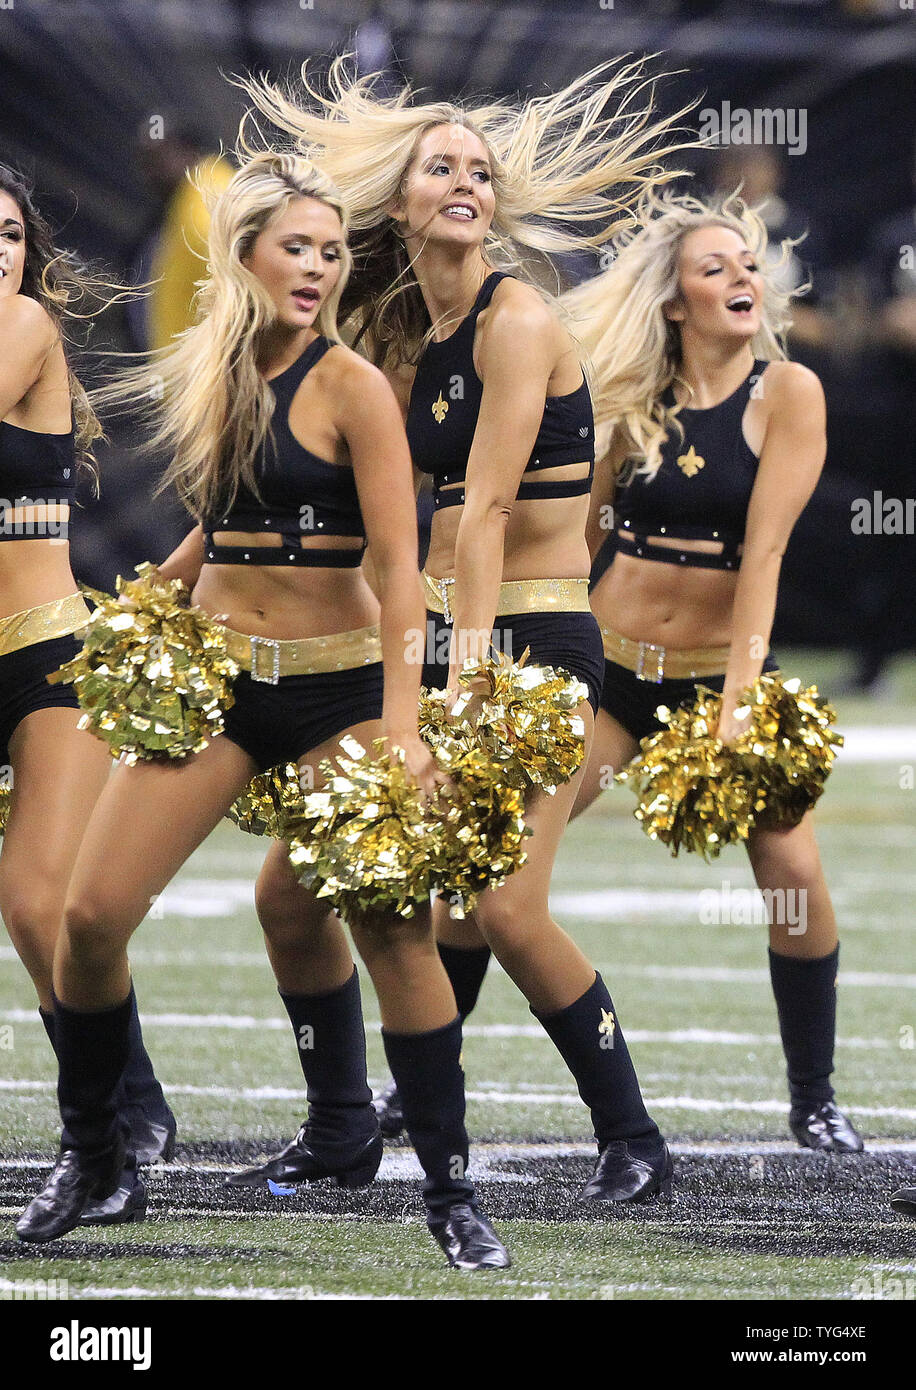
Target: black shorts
(569,640)
(279,723)
(24,686)
(633,702)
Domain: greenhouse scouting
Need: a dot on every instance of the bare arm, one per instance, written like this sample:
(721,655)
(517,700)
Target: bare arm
(516,360)
(794,448)
(369,420)
(26,337)
(186,560)
(601,502)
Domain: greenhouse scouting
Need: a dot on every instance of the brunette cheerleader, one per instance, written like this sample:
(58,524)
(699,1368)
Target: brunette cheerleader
(52,770)
(499,413)
(288,448)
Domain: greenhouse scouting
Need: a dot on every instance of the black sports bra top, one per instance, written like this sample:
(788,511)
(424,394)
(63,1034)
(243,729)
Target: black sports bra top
(302,494)
(445,404)
(34,468)
(701,490)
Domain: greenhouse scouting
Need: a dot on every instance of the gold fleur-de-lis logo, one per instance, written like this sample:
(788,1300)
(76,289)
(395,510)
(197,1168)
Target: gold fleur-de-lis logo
(691,462)
(439,409)
(607,1024)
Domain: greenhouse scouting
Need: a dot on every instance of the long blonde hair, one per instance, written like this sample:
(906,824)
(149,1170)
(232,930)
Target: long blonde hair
(635,350)
(203,394)
(564,174)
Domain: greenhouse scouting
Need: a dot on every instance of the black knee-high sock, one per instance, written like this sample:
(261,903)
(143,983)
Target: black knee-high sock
(427,1070)
(805,992)
(466,968)
(48,1019)
(590,1040)
(139,1087)
(331,1041)
(92,1051)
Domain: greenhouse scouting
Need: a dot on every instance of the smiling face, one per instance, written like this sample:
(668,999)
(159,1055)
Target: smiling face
(721,289)
(12,246)
(448,193)
(297,257)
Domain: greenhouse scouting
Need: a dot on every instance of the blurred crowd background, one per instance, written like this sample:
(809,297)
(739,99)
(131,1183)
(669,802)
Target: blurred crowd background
(107,103)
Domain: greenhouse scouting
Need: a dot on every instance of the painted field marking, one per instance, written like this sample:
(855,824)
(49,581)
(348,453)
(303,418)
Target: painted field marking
(496,1097)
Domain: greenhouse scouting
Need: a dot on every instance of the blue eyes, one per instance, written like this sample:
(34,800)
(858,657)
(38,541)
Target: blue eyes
(478,173)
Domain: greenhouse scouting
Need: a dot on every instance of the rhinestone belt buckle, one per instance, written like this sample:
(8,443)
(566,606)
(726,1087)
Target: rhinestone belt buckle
(443,594)
(656,670)
(272,644)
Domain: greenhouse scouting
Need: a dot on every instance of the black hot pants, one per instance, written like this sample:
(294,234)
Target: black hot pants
(633,702)
(279,723)
(570,640)
(24,686)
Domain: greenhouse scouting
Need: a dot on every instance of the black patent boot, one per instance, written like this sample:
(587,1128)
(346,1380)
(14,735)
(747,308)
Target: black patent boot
(77,1181)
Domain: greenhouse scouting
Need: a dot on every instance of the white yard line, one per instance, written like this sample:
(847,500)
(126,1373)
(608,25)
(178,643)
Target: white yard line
(495,1097)
(677,1036)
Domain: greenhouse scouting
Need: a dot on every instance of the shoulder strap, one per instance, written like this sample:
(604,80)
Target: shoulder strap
(485,293)
(288,382)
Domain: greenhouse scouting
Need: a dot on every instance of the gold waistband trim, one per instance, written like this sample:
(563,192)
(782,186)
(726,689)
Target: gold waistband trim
(517,596)
(269,658)
(656,663)
(54,619)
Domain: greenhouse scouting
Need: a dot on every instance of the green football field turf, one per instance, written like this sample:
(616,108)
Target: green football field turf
(753,1220)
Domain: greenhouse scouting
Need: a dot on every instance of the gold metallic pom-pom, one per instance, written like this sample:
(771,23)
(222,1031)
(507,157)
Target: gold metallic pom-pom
(526,723)
(268,802)
(370,845)
(153,677)
(788,749)
(697,794)
(6,796)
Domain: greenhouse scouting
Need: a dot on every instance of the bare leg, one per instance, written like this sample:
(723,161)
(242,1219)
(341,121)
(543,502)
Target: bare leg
(58,773)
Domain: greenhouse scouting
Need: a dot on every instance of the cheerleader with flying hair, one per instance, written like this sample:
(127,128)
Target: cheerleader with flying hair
(289,450)
(445,199)
(711,444)
(51,771)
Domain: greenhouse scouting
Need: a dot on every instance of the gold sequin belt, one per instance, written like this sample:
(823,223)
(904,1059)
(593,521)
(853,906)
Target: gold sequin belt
(57,618)
(269,658)
(655,663)
(518,596)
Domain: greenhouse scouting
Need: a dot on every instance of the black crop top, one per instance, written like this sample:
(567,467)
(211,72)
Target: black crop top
(701,490)
(445,403)
(301,493)
(34,468)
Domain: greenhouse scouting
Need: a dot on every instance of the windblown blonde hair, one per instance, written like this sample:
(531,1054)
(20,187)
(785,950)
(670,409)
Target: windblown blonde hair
(204,394)
(564,173)
(634,349)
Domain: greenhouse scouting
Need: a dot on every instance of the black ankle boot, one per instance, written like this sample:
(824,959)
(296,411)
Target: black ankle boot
(77,1181)
(468,1239)
(340,1139)
(805,994)
(427,1070)
(466,968)
(634,1163)
(300,1162)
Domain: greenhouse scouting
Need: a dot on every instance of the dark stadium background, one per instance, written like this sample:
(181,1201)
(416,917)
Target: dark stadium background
(78,78)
